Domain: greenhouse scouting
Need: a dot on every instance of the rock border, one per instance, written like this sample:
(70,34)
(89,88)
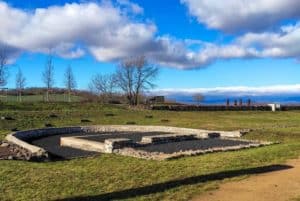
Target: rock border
(21,138)
(163,156)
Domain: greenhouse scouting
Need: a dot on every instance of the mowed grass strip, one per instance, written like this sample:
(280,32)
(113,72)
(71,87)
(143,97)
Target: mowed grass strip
(40,98)
(124,178)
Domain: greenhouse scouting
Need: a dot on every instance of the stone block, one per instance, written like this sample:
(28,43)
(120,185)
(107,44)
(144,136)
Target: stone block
(167,138)
(117,143)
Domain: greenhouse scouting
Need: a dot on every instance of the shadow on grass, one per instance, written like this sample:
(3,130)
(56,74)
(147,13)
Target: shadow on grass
(161,187)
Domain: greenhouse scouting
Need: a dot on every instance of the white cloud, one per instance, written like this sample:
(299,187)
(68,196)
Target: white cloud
(234,91)
(275,45)
(102,28)
(241,15)
(109,34)
(283,44)
(133,7)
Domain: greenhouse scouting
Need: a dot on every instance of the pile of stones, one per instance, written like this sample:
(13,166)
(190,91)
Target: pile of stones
(9,151)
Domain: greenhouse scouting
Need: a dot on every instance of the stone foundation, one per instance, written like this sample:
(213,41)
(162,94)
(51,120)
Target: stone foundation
(21,138)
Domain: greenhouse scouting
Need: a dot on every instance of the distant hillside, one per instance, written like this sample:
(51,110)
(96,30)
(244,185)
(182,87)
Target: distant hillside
(38,94)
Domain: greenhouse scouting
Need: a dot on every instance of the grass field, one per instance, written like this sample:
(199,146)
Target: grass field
(40,98)
(124,178)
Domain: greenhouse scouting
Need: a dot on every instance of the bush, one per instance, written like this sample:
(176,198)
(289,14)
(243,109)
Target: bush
(85,121)
(130,123)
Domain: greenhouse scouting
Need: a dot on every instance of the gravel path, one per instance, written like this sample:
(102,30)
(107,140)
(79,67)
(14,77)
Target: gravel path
(281,185)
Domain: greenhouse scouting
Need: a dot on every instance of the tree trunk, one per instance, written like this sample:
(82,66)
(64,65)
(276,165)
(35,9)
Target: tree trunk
(136,99)
(20,96)
(47,96)
(69,98)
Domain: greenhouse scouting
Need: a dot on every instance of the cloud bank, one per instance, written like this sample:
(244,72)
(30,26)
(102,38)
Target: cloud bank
(104,30)
(234,91)
(111,32)
(242,15)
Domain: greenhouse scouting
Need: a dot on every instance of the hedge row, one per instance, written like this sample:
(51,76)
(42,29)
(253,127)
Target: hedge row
(210,108)
(290,107)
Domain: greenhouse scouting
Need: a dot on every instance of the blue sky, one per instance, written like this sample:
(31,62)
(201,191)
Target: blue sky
(195,44)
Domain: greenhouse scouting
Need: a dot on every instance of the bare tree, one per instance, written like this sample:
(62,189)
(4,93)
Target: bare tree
(134,76)
(103,85)
(48,76)
(3,67)
(198,98)
(20,84)
(70,81)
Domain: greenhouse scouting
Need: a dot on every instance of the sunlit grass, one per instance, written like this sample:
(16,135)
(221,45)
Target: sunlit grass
(104,174)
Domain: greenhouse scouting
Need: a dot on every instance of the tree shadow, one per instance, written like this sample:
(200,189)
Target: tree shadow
(161,187)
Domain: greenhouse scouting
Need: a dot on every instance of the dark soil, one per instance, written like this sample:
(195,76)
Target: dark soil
(52,145)
(134,136)
(191,145)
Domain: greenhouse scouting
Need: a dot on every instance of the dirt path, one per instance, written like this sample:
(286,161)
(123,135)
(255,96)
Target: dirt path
(279,185)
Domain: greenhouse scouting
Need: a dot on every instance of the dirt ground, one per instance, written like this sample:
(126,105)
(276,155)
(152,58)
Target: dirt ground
(278,185)
(4,152)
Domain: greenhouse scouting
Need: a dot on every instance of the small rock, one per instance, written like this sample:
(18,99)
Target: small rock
(10,157)
(130,123)
(49,125)
(4,144)
(7,118)
(27,157)
(85,121)
(19,155)
(53,116)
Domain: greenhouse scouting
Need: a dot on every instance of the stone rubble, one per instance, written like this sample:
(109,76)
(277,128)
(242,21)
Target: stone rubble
(10,151)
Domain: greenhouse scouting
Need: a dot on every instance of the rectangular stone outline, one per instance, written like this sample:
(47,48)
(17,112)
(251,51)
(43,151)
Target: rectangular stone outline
(108,147)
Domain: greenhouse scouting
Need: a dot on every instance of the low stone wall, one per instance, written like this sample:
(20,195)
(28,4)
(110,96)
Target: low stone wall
(162,156)
(33,150)
(108,146)
(165,129)
(82,144)
(44,132)
(118,143)
(167,138)
(21,138)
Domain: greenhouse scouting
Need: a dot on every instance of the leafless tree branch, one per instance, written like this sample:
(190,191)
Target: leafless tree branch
(20,84)
(70,82)
(48,76)
(134,76)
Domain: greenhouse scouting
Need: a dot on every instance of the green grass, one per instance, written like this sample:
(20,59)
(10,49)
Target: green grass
(40,98)
(129,178)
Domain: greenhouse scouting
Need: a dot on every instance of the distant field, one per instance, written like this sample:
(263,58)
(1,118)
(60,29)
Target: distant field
(40,98)
(113,177)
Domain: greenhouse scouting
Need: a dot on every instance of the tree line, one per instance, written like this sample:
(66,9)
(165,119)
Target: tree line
(132,77)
